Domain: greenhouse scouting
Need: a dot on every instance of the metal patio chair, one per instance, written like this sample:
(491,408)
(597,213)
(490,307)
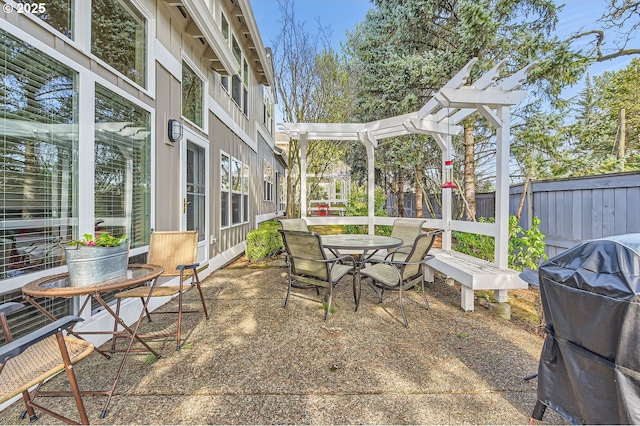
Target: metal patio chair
(308,264)
(30,360)
(399,271)
(407,230)
(177,253)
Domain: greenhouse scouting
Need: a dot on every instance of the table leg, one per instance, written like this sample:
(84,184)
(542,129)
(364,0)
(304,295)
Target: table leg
(70,330)
(134,336)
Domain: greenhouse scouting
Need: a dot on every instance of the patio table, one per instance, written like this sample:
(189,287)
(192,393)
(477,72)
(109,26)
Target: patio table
(60,286)
(367,244)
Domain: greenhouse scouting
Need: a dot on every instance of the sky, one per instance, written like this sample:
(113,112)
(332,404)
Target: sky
(343,15)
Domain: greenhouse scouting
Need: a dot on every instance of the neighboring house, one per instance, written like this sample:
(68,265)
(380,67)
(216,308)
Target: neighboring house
(95,95)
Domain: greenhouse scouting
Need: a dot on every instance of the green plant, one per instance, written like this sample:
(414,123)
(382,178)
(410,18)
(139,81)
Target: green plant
(103,240)
(526,248)
(480,246)
(357,205)
(264,242)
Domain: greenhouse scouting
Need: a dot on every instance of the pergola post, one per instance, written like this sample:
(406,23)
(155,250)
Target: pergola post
(371,187)
(502,194)
(446,198)
(303,142)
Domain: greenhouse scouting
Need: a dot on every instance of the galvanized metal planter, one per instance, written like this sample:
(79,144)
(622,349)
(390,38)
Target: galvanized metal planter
(90,265)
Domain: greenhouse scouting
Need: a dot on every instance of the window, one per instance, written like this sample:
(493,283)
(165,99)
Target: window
(58,14)
(224,27)
(267,110)
(282,185)
(196,189)
(225,173)
(234,191)
(245,193)
(240,81)
(268,181)
(122,167)
(235,47)
(119,37)
(38,158)
(192,96)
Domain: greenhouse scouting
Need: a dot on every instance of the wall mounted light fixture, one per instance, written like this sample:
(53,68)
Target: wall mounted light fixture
(175,130)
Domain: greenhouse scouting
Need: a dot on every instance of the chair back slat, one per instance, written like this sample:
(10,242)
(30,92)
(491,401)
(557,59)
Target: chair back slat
(407,230)
(172,248)
(302,246)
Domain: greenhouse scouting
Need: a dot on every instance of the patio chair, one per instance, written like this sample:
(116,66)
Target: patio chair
(177,253)
(399,271)
(294,224)
(308,264)
(30,360)
(407,230)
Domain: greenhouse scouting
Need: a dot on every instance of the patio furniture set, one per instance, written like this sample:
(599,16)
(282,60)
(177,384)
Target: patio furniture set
(30,360)
(316,261)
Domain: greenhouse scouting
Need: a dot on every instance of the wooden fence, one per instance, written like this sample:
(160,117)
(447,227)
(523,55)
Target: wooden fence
(570,210)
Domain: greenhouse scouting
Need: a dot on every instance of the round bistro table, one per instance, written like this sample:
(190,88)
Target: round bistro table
(60,286)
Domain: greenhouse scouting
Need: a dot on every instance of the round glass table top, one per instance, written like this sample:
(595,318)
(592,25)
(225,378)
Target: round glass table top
(60,286)
(359,242)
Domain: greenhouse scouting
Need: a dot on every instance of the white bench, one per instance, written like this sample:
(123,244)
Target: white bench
(473,274)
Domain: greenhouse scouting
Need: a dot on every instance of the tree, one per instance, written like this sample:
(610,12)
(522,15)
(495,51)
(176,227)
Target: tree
(312,84)
(405,50)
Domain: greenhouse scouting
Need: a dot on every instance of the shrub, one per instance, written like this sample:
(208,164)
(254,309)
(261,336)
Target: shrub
(526,248)
(357,205)
(264,242)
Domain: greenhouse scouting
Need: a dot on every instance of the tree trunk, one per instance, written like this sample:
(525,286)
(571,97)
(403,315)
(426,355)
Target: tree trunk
(469,170)
(401,212)
(418,191)
(523,197)
(622,139)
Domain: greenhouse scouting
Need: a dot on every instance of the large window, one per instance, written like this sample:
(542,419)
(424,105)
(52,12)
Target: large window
(38,158)
(122,167)
(119,37)
(192,96)
(57,13)
(268,180)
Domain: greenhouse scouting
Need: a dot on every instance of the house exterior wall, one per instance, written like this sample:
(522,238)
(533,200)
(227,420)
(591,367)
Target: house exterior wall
(179,33)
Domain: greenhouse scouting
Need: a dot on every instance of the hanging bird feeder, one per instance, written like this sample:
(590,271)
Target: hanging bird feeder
(448,175)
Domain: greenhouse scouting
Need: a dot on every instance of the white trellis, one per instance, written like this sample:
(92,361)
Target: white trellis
(439,117)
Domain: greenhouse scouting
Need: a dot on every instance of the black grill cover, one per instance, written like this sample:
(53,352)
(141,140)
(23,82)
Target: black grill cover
(589,368)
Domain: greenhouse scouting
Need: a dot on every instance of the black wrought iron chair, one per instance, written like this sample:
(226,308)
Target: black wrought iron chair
(28,361)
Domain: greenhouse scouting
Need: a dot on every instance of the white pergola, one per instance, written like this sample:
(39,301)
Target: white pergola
(439,117)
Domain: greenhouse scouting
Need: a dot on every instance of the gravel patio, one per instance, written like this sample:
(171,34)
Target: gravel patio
(255,362)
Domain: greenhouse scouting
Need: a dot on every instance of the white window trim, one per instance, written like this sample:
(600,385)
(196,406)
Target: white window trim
(205,84)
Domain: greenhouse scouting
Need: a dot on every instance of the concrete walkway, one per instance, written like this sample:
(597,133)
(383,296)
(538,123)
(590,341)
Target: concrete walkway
(255,362)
